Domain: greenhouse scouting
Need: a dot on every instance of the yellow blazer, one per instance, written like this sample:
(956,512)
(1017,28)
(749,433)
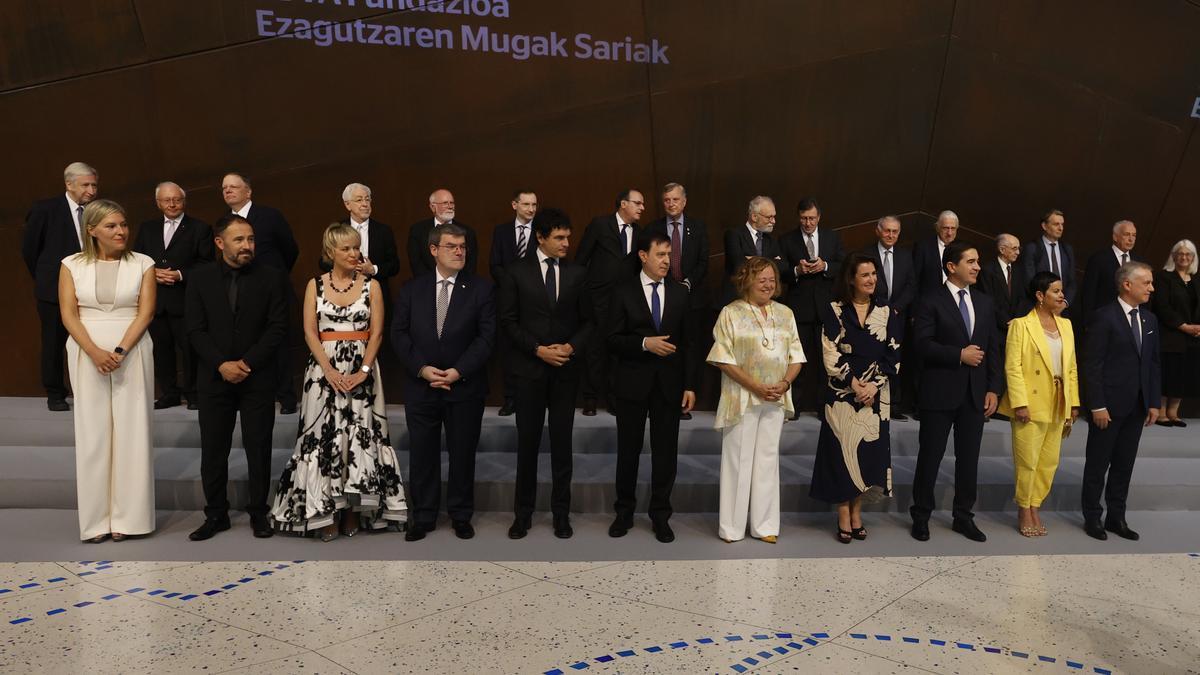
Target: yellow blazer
(1030,377)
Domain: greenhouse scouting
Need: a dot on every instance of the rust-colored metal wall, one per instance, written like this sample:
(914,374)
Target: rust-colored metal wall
(996,110)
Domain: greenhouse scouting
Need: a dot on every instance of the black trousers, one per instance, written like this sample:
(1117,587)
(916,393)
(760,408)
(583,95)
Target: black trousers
(967,422)
(553,393)
(663,412)
(806,394)
(218,413)
(169,334)
(1110,451)
(425,420)
(54,340)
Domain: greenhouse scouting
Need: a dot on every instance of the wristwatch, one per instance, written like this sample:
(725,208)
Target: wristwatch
(119,351)
(366,369)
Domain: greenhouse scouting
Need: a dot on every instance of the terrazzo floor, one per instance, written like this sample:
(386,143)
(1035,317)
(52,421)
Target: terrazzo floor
(1136,613)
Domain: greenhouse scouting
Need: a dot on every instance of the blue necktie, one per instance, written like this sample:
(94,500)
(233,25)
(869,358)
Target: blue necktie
(655,306)
(551,288)
(962,309)
(1133,326)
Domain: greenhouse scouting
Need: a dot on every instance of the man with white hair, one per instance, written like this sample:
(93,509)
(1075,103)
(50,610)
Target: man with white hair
(53,231)
(1098,288)
(178,243)
(927,253)
(441,205)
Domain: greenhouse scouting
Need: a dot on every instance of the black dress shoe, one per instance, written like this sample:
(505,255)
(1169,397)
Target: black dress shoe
(685,416)
(662,531)
(193,405)
(208,529)
(506,409)
(520,527)
(463,529)
(620,525)
(589,407)
(967,528)
(1121,529)
(57,404)
(167,402)
(920,530)
(1095,530)
(262,527)
(562,527)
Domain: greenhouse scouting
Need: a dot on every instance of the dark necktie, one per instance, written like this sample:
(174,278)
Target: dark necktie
(655,305)
(962,309)
(1137,331)
(1054,259)
(758,242)
(551,282)
(233,290)
(624,239)
(676,251)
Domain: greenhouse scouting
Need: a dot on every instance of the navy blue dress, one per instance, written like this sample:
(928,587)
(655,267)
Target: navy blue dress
(854,455)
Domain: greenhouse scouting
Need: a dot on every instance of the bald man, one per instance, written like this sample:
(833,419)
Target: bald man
(441,205)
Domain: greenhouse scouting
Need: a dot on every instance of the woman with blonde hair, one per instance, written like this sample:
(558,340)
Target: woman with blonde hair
(106,295)
(343,474)
(1176,303)
(1042,399)
(757,348)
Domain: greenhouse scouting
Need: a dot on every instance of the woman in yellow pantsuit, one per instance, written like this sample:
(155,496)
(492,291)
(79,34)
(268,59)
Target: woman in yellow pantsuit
(1042,400)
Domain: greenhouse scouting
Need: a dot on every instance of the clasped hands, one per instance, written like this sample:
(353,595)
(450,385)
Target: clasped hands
(438,378)
(106,361)
(556,354)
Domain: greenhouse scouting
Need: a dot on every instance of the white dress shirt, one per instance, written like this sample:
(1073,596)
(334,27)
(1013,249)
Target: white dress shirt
(970,303)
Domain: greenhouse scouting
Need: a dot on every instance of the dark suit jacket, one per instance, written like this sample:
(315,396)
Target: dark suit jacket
(1034,259)
(468,336)
(629,321)
(530,320)
(738,244)
(694,261)
(191,246)
(254,334)
(1112,362)
(381,244)
(49,237)
(940,336)
(274,244)
(1008,306)
(901,297)
(807,293)
(600,251)
(419,260)
(504,247)
(927,265)
(1174,306)
(1100,279)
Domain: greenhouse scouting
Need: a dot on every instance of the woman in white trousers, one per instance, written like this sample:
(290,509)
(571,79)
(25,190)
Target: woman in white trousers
(106,294)
(757,347)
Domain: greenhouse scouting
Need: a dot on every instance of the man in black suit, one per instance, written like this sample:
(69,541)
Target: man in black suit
(895,287)
(649,335)
(1098,287)
(1123,386)
(275,246)
(52,229)
(689,253)
(955,334)
(546,313)
(927,253)
(512,240)
(812,258)
(441,204)
(236,314)
(607,251)
(178,243)
(378,258)
(1005,283)
(755,238)
(443,332)
(1050,253)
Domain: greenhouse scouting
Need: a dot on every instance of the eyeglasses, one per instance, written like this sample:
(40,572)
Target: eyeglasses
(454,248)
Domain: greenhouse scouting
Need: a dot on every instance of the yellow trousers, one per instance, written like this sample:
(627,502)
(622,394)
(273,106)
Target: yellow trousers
(1036,447)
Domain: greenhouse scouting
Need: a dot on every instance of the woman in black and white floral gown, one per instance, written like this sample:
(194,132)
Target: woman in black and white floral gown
(343,472)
